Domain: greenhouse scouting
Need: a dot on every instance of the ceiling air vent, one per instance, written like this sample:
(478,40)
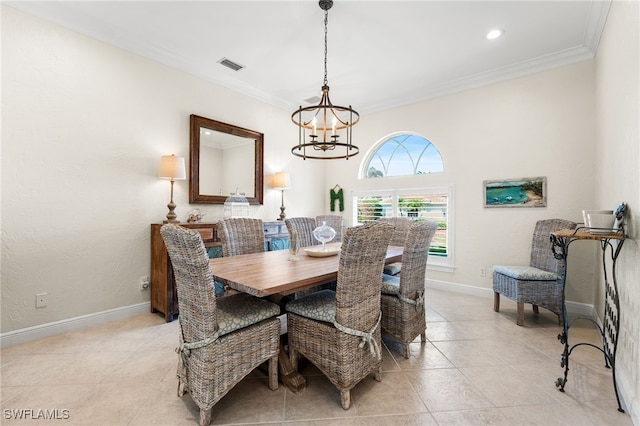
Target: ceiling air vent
(230,64)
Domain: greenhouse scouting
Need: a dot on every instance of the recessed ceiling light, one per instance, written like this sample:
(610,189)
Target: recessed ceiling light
(495,33)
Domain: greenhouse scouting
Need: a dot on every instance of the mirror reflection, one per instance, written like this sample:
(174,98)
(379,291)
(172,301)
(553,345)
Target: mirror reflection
(224,159)
(229,161)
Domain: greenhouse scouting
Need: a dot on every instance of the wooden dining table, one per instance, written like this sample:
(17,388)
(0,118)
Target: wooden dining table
(271,273)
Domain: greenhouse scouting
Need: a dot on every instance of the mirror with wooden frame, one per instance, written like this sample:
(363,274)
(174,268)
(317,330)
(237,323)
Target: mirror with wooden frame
(224,159)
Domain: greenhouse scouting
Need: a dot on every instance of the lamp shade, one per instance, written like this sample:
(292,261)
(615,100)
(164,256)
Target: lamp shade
(172,167)
(281,180)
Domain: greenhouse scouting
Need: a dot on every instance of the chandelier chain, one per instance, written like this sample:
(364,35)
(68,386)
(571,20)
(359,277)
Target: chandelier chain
(325,122)
(326,21)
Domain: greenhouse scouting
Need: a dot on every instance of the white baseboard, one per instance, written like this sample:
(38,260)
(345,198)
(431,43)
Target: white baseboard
(28,334)
(629,400)
(572,307)
(635,411)
(51,329)
(459,288)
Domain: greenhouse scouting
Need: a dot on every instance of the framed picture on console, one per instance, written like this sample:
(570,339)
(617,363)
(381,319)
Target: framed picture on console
(518,192)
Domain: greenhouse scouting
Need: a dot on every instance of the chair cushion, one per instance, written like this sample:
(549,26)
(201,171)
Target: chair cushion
(525,273)
(390,285)
(320,306)
(393,268)
(242,310)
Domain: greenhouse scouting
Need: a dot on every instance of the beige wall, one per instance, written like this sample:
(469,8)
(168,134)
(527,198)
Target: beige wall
(617,172)
(83,127)
(541,125)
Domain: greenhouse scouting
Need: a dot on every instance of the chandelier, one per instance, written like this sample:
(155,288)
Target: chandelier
(325,123)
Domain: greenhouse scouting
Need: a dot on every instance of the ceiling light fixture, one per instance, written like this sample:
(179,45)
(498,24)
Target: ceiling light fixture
(325,121)
(495,33)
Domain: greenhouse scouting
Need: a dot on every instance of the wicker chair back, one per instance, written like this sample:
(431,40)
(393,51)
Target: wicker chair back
(241,235)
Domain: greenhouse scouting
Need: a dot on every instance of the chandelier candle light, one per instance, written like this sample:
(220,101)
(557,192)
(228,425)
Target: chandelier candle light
(325,121)
(172,168)
(281,181)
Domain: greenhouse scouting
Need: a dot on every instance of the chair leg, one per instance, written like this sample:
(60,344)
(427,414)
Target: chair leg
(423,336)
(273,373)
(496,301)
(182,389)
(205,417)
(535,309)
(559,319)
(520,320)
(345,399)
(378,374)
(405,350)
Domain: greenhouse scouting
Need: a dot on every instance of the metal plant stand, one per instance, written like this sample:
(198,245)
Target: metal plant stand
(613,242)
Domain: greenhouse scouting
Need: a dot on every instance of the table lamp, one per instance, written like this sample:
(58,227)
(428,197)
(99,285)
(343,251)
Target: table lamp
(281,181)
(172,168)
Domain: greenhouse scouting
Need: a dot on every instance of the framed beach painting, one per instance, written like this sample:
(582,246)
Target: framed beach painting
(521,192)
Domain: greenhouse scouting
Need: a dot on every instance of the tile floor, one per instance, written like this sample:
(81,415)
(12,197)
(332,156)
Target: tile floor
(477,368)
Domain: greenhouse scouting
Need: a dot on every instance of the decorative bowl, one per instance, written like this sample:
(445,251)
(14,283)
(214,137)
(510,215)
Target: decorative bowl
(586,213)
(602,222)
(322,252)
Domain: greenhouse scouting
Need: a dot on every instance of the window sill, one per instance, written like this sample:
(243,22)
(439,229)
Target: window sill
(441,268)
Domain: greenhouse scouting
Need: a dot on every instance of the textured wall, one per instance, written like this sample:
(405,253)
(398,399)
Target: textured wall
(617,171)
(83,127)
(541,125)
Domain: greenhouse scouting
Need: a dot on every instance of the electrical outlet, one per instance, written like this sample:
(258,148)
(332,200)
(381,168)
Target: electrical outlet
(483,271)
(144,283)
(42,300)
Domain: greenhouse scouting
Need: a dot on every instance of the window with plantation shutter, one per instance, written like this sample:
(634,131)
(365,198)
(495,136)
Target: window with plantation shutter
(433,204)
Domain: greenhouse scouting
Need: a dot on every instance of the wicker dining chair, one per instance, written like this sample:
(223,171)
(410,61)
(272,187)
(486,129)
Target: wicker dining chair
(301,231)
(540,283)
(241,235)
(333,220)
(339,331)
(402,300)
(222,340)
(401,228)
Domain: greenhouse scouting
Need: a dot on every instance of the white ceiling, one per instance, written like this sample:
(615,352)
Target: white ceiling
(381,54)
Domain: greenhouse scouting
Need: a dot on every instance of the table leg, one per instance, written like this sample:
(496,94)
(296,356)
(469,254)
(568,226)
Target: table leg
(289,376)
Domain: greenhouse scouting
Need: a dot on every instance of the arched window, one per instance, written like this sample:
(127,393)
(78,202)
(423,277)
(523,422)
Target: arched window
(408,154)
(403,154)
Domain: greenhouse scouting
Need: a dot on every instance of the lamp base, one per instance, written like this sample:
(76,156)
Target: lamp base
(171,216)
(282,215)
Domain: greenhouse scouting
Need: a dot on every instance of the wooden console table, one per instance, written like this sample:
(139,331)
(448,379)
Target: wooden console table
(609,331)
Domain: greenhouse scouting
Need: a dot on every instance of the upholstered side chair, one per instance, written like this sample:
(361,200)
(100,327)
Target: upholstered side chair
(402,301)
(339,331)
(241,235)
(333,220)
(540,283)
(401,227)
(222,340)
